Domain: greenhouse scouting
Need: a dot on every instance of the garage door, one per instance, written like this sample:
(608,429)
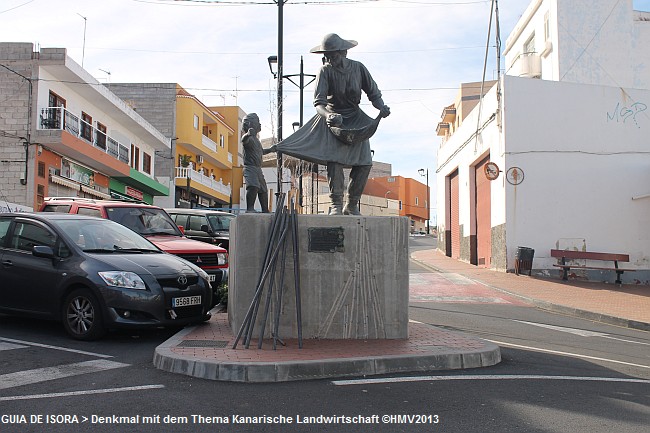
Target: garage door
(455,215)
(483,219)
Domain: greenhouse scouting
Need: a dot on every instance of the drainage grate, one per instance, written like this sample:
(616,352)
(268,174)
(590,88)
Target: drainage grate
(203,343)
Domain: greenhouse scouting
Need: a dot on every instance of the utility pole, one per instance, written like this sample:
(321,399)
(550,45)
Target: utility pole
(422,173)
(280,71)
(83,50)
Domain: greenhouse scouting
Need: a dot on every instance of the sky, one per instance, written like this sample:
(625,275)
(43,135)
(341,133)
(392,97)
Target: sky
(418,52)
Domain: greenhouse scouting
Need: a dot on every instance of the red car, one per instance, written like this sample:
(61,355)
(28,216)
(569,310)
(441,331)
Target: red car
(153,223)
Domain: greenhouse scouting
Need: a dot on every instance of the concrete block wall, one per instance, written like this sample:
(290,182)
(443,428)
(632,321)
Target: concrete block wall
(155,102)
(359,291)
(14,115)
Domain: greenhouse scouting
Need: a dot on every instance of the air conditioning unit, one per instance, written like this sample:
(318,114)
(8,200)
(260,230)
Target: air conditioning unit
(531,66)
(199,159)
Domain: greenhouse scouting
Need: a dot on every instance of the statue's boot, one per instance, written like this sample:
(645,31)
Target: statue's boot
(337,205)
(352,206)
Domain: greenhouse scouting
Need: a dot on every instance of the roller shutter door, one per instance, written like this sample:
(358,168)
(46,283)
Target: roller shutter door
(454,206)
(483,218)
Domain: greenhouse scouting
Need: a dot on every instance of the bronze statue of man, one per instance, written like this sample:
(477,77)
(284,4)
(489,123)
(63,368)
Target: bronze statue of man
(253,152)
(338,135)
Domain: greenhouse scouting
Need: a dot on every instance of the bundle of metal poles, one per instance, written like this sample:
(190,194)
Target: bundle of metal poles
(284,222)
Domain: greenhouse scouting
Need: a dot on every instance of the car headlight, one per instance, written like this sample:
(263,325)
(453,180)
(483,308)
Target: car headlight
(222,258)
(202,274)
(128,280)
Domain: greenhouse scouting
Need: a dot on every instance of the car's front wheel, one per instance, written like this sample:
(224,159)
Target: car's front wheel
(82,316)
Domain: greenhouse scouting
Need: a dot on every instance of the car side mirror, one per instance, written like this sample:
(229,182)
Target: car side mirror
(205,228)
(182,229)
(43,251)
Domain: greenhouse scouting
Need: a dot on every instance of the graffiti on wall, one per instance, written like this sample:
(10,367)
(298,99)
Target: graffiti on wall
(628,114)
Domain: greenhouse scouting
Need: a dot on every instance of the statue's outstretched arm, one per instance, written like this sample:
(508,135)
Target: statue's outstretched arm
(383,108)
(332,119)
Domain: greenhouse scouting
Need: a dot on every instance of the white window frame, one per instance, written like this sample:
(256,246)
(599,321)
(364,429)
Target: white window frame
(529,45)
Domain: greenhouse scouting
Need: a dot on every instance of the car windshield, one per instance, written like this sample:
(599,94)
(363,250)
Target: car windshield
(220,222)
(145,221)
(103,235)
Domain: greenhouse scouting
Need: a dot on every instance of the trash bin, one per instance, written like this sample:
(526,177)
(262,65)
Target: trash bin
(524,260)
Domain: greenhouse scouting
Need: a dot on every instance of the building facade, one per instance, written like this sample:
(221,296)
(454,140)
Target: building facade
(558,159)
(410,195)
(202,163)
(62,133)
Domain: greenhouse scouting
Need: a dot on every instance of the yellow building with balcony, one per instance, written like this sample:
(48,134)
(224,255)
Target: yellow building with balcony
(204,154)
(203,166)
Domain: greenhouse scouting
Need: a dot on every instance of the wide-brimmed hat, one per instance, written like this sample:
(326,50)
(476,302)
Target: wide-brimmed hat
(333,42)
(252,117)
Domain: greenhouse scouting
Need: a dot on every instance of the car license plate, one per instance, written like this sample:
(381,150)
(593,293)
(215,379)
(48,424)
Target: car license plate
(186,301)
(212,278)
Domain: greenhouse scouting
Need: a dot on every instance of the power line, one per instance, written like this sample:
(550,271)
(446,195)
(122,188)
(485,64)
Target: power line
(16,7)
(422,89)
(185,3)
(227,53)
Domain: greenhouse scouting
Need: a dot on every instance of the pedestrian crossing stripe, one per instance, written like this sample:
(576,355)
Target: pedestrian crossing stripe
(10,346)
(28,377)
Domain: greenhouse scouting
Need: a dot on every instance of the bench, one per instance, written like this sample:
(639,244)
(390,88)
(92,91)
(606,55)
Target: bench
(587,255)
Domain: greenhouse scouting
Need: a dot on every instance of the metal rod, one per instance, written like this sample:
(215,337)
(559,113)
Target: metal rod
(256,296)
(278,310)
(267,305)
(246,324)
(269,293)
(296,271)
(248,329)
(270,266)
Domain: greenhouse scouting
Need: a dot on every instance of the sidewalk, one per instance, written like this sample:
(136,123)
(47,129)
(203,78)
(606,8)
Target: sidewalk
(206,351)
(626,305)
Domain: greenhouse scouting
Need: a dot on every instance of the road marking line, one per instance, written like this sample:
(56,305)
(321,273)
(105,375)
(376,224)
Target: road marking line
(573,355)
(47,346)
(74,393)
(581,332)
(575,331)
(27,377)
(10,346)
(485,377)
(626,341)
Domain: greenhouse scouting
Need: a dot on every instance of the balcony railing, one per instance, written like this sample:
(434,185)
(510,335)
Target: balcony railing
(207,142)
(62,119)
(528,65)
(217,185)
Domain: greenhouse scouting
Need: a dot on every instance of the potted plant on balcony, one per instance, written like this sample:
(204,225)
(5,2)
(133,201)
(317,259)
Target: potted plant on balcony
(185,160)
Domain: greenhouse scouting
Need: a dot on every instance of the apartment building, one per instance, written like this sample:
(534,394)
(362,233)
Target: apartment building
(409,197)
(556,154)
(204,161)
(62,133)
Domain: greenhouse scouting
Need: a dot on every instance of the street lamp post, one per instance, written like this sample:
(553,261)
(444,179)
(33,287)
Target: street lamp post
(273,60)
(424,172)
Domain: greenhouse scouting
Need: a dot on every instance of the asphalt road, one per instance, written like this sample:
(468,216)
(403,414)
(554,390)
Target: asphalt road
(558,374)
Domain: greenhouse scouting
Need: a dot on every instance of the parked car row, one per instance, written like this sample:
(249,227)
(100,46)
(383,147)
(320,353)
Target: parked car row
(153,223)
(79,261)
(93,274)
(209,226)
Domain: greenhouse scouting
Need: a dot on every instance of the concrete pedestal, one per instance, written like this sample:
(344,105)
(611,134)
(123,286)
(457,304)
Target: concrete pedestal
(353,274)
